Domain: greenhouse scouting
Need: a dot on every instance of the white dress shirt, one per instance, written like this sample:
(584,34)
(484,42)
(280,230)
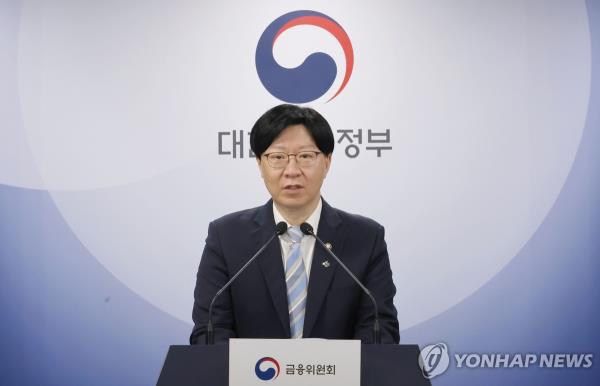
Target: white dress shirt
(307,244)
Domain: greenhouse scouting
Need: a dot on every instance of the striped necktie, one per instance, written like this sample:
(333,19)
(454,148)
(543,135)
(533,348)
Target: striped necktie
(296,281)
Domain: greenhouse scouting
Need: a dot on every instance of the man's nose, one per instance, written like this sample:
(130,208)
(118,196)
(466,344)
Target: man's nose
(292,167)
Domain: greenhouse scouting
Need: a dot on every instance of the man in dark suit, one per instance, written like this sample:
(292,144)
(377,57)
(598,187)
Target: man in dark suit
(294,289)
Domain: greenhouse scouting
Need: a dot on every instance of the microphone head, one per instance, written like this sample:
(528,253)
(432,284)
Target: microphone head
(281,228)
(307,229)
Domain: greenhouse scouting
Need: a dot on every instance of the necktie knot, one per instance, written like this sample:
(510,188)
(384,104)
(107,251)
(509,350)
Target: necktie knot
(295,234)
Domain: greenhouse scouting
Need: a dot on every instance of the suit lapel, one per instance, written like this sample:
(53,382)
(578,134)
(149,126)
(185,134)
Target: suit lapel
(271,263)
(323,266)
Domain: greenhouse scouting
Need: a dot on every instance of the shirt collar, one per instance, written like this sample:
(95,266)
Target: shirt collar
(313,219)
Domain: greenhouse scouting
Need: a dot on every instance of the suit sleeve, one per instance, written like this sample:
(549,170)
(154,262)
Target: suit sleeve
(378,279)
(213,273)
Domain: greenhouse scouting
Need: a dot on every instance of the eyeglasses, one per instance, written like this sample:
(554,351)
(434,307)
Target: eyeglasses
(303,159)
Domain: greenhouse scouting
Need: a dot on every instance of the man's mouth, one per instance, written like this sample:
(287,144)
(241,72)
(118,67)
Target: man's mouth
(292,187)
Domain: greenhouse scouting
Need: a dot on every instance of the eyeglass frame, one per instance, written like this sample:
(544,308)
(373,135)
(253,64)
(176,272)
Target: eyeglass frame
(288,155)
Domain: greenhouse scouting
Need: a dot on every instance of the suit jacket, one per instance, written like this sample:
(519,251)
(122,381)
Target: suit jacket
(255,306)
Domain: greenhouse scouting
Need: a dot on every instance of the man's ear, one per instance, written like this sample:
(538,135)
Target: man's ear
(327,163)
(259,167)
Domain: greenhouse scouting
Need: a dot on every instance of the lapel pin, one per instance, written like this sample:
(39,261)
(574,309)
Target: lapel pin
(326,264)
(329,246)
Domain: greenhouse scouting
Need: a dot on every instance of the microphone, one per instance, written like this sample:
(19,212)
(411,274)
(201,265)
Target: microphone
(280,229)
(307,229)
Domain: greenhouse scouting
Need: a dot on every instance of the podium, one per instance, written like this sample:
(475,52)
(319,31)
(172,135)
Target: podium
(381,365)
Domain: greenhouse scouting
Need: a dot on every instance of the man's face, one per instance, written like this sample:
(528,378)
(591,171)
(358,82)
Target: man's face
(293,187)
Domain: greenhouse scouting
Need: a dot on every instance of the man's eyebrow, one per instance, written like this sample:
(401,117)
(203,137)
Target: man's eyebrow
(277,146)
(308,148)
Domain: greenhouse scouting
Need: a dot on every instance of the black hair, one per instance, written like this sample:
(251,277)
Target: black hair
(273,122)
